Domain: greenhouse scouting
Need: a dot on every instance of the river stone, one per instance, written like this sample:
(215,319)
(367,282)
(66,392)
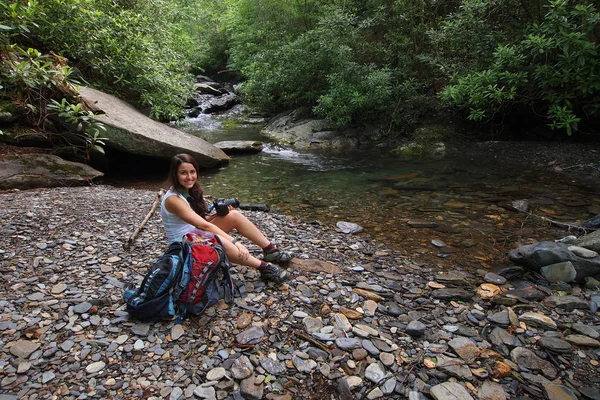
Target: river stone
(374,373)
(251,336)
(375,394)
(23,348)
(500,337)
(82,307)
(450,391)
(349,227)
(586,330)
(583,252)
(496,279)
(95,367)
(348,343)
(540,254)
(177,331)
(303,365)
(312,324)
(272,367)
(591,283)
(370,347)
(491,391)
(590,392)
(591,241)
(528,359)
(353,381)
(453,294)
(465,348)
(567,303)
(555,344)
(140,329)
(216,374)
(415,328)
(582,340)
(538,320)
(250,390)
(59,288)
(559,392)
(239,146)
(454,367)
(242,368)
(27,171)
(500,318)
(454,277)
(205,392)
(559,272)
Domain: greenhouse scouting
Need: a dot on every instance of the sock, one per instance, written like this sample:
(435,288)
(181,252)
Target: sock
(269,248)
(262,265)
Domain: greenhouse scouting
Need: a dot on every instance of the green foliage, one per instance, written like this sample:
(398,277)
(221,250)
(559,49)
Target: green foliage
(31,79)
(15,19)
(554,69)
(136,48)
(35,83)
(84,122)
(358,93)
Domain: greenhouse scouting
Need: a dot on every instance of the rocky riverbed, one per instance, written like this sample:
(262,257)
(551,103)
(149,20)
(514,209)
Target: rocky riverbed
(357,320)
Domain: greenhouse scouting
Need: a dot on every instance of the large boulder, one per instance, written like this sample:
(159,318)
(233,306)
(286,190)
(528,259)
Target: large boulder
(240,146)
(590,241)
(130,131)
(538,255)
(28,171)
(298,129)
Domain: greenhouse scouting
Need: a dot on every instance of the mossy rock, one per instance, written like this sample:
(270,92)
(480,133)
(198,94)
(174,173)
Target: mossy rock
(29,171)
(427,143)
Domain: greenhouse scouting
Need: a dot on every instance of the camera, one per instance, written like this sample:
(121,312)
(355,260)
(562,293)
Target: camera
(221,206)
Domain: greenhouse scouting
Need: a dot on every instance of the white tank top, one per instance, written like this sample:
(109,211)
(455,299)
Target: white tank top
(175,227)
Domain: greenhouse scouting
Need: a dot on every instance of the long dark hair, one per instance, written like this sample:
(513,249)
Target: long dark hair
(197,196)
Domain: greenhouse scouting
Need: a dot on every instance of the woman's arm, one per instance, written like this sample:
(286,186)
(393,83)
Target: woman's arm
(180,208)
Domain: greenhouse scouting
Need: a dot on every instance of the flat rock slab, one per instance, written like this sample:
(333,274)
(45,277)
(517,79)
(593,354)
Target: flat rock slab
(130,131)
(314,266)
(450,391)
(29,171)
(240,146)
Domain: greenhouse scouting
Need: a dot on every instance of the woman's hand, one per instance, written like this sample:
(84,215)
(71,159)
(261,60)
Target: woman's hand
(243,251)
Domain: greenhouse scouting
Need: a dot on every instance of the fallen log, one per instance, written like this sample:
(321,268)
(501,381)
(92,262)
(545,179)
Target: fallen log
(129,241)
(523,207)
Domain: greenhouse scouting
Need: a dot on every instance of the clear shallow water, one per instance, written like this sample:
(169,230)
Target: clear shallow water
(466,196)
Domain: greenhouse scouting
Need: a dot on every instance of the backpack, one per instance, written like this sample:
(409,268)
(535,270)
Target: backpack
(210,280)
(165,281)
(192,275)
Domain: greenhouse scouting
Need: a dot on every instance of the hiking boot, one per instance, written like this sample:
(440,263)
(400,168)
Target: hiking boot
(277,256)
(273,273)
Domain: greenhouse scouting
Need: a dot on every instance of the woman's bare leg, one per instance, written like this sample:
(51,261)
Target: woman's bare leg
(233,254)
(238,221)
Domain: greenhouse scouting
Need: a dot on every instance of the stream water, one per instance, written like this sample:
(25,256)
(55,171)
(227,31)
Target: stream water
(466,197)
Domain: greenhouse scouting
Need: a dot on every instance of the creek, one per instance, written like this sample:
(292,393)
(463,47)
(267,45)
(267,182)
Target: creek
(466,196)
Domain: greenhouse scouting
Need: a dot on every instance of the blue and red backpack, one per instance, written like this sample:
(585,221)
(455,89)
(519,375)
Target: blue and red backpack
(189,277)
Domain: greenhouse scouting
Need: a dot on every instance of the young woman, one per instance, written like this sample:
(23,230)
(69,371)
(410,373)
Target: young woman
(184,209)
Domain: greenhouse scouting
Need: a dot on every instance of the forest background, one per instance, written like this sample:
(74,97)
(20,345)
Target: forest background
(516,66)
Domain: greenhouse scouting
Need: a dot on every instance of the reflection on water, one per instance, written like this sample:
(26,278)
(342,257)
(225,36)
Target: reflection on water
(467,198)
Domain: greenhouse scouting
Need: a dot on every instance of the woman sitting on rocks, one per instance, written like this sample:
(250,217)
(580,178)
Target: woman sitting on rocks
(184,209)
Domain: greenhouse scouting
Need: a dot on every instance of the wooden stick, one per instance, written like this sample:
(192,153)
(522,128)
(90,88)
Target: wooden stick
(523,206)
(129,241)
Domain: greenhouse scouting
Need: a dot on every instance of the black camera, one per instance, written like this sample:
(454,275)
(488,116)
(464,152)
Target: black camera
(221,206)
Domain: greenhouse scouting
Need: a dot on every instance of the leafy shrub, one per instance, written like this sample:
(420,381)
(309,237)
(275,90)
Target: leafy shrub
(554,69)
(359,92)
(39,85)
(136,49)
